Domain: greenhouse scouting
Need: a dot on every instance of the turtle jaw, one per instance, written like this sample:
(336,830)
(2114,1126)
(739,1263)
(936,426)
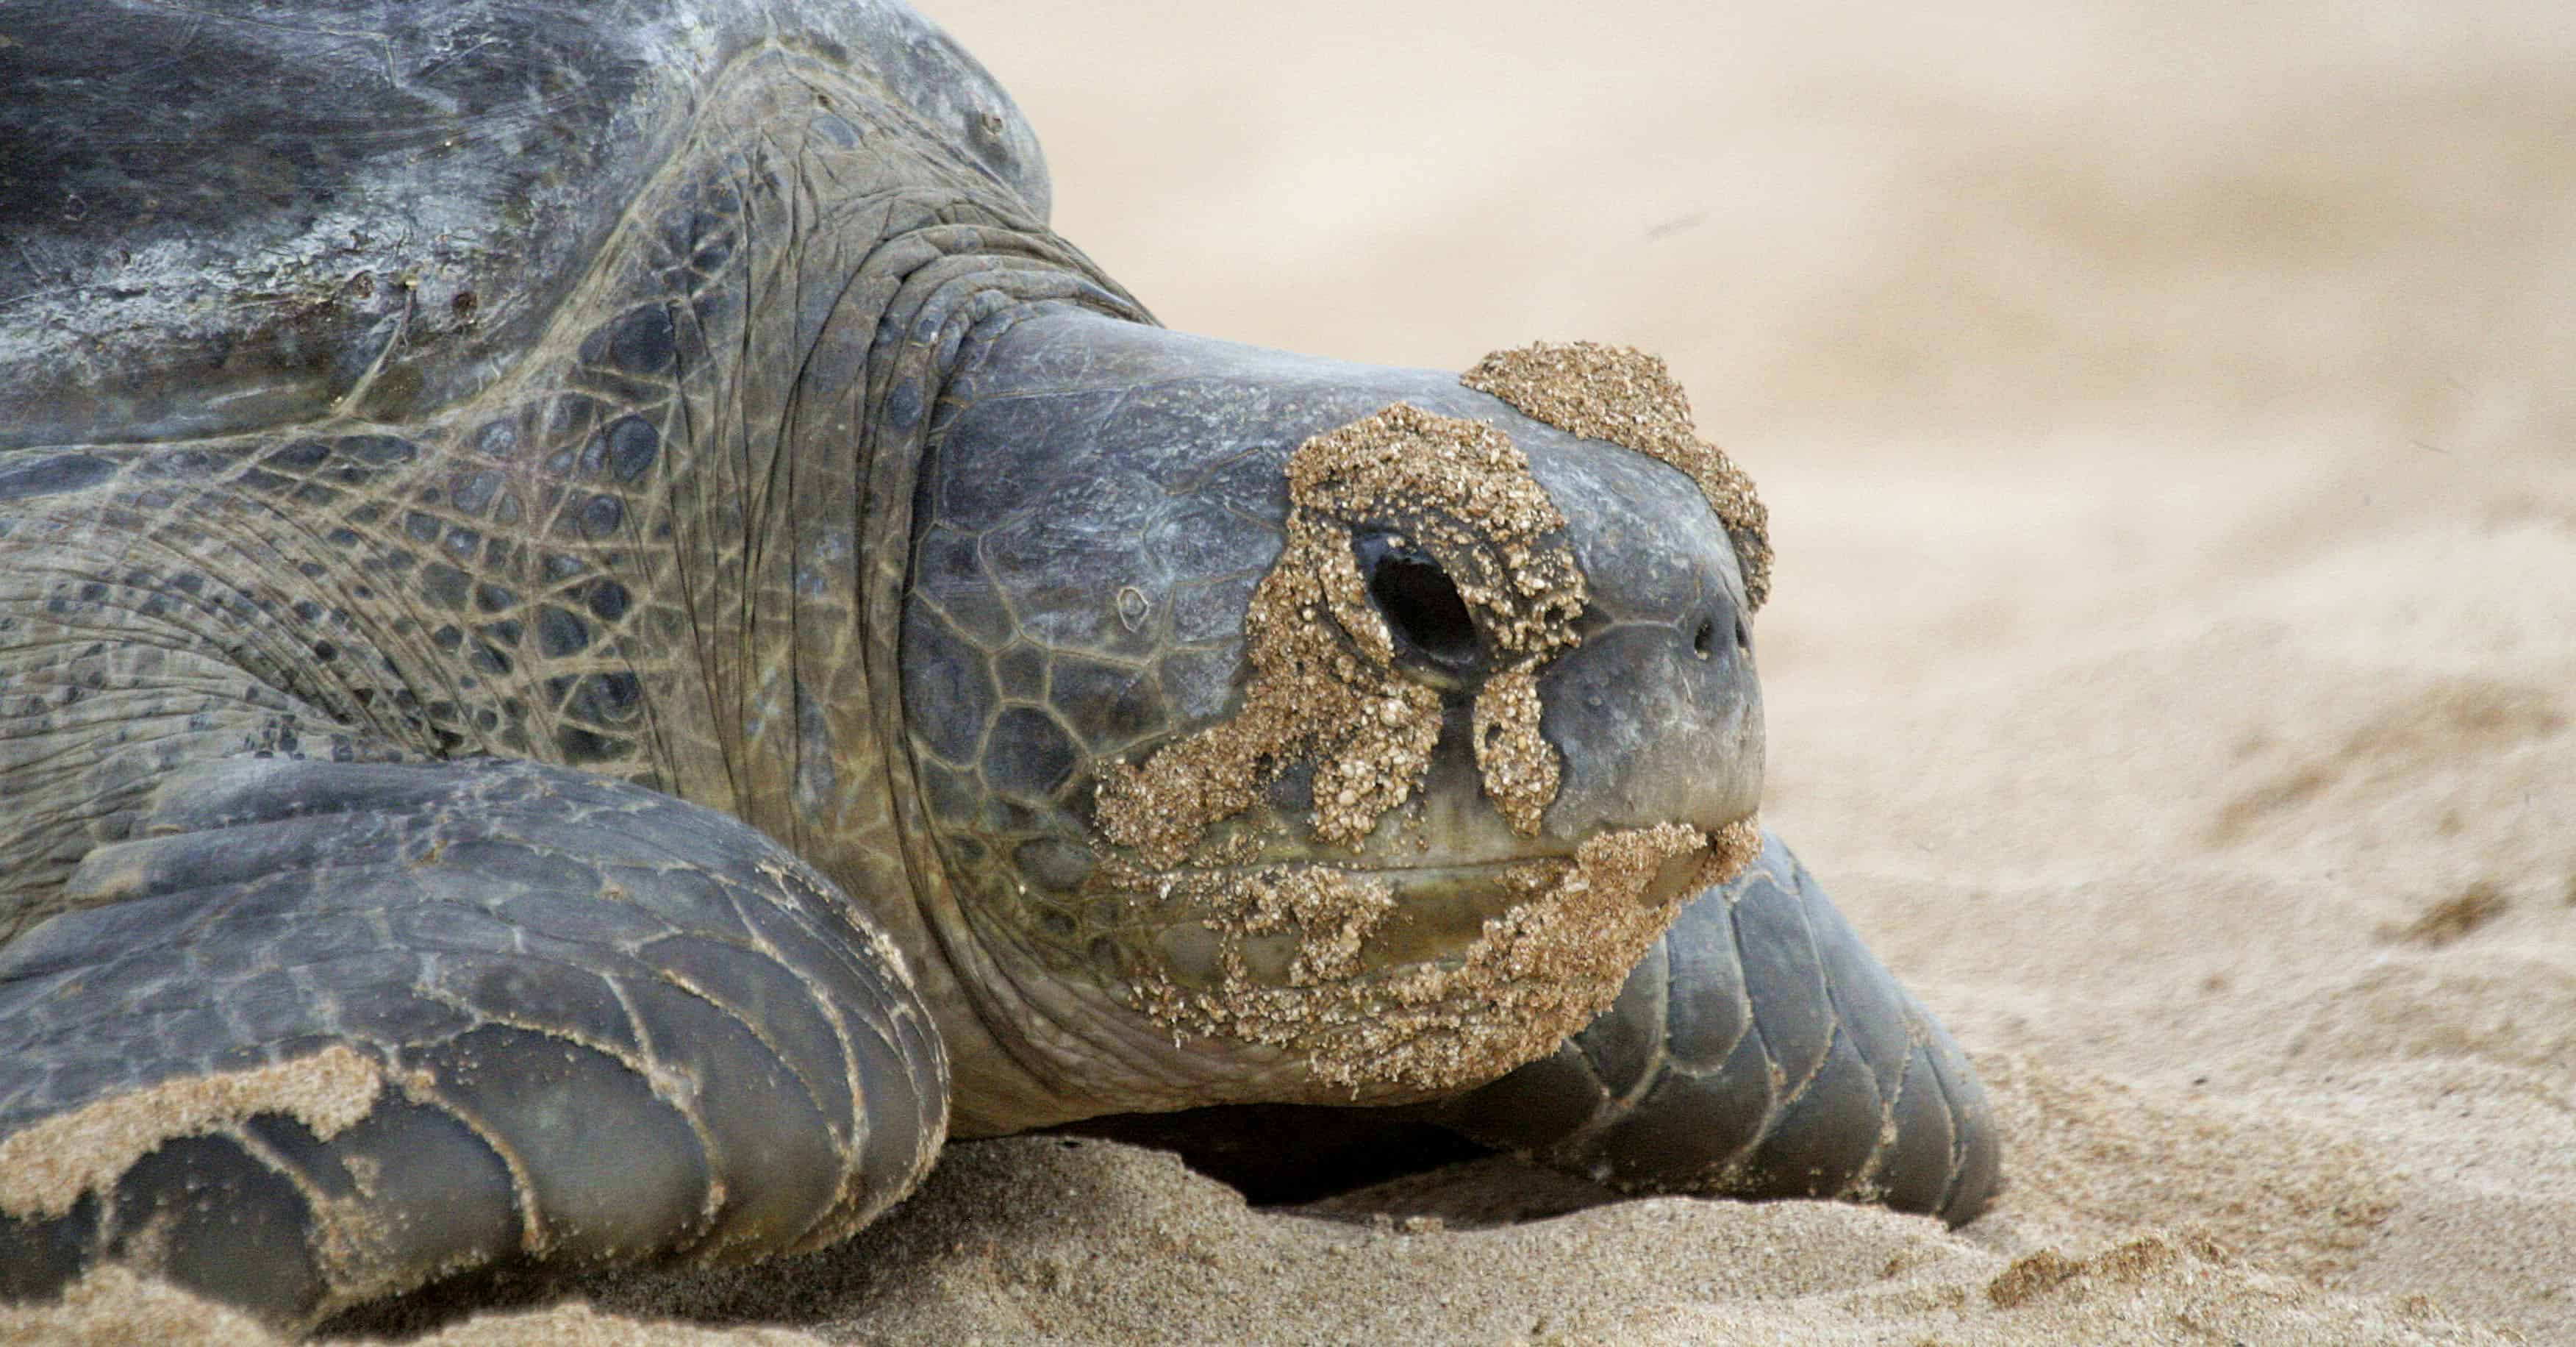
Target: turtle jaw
(1436,913)
(1325,983)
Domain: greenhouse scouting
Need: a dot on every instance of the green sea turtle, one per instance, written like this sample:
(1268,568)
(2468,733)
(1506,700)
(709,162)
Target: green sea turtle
(604,639)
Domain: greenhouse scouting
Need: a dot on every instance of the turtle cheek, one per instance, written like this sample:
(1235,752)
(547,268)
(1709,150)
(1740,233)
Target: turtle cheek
(1053,864)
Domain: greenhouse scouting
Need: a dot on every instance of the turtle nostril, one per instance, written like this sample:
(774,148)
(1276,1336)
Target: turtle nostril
(1704,640)
(1422,604)
(1743,638)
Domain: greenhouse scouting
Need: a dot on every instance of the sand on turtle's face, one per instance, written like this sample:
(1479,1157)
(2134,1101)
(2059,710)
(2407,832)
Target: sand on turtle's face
(2164,413)
(1324,686)
(1276,957)
(1629,397)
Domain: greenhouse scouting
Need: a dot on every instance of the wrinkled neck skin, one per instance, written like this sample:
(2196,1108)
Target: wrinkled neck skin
(669,544)
(1099,501)
(835,282)
(832,282)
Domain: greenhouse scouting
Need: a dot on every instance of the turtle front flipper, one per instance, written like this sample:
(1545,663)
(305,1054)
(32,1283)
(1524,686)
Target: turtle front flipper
(1758,1051)
(331,1031)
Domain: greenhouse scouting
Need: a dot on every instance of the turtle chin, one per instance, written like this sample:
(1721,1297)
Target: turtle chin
(1442,911)
(1376,984)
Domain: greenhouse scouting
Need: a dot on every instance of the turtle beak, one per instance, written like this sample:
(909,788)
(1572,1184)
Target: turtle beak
(1659,711)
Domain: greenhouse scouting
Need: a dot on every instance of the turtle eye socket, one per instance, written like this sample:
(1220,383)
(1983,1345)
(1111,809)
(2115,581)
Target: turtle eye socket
(1419,601)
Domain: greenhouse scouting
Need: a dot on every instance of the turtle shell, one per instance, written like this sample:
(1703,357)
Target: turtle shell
(250,213)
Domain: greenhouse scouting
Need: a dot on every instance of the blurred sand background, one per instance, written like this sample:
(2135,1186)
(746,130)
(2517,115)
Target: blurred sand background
(2165,411)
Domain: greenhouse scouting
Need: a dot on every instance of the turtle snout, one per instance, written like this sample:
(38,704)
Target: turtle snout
(1657,712)
(1658,721)
(1721,633)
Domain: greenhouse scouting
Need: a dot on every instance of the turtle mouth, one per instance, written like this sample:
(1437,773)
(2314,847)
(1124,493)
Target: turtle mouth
(1443,909)
(1393,979)
(1435,911)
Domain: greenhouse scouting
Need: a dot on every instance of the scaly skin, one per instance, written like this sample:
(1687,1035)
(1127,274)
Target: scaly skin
(1102,500)
(657,561)
(627,698)
(1759,1051)
(607,1025)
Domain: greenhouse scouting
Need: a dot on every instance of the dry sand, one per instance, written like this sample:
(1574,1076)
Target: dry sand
(2165,415)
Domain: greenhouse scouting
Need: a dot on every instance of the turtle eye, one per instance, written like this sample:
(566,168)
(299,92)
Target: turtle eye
(1419,601)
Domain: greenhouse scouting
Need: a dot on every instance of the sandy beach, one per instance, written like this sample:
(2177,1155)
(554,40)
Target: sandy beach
(2165,417)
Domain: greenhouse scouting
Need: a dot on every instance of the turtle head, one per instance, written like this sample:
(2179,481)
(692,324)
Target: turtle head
(1299,730)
